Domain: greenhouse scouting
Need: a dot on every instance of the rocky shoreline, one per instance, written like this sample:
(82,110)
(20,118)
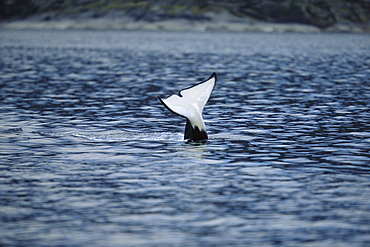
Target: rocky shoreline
(190,15)
(107,23)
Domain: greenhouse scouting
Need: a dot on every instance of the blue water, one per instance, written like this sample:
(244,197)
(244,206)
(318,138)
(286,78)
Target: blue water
(90,157)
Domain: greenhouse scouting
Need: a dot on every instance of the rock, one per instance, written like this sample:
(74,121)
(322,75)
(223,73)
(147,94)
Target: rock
(344,28)
(264,15)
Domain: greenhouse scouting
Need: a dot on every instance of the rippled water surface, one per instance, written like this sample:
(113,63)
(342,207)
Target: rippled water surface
(89,156)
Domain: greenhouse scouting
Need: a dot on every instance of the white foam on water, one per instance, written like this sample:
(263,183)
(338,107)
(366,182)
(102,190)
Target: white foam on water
(231,137)
(131,136)
(119,136)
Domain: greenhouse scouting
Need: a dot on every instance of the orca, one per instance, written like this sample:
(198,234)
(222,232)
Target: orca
(189,103)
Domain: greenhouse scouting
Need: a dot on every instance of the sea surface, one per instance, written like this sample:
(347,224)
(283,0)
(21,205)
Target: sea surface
(90,157)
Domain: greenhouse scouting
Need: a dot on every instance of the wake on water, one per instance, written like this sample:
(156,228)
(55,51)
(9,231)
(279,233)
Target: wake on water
(131,136)
(122,136)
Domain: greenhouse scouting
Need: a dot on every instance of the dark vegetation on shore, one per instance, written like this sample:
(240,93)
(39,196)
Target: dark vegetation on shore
(318,13)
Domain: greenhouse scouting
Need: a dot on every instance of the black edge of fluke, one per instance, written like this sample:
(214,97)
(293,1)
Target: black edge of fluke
(192,134)
(213,75)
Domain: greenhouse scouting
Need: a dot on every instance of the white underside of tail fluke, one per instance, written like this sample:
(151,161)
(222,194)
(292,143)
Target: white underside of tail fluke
(190,102)
(184,108)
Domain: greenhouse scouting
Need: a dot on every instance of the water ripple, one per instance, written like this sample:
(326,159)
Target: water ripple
(90,157)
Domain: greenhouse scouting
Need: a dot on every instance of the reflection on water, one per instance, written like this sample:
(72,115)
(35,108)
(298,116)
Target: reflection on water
(90,157)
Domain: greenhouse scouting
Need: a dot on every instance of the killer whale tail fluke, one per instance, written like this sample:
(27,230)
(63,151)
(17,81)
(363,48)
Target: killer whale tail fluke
(189,103)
